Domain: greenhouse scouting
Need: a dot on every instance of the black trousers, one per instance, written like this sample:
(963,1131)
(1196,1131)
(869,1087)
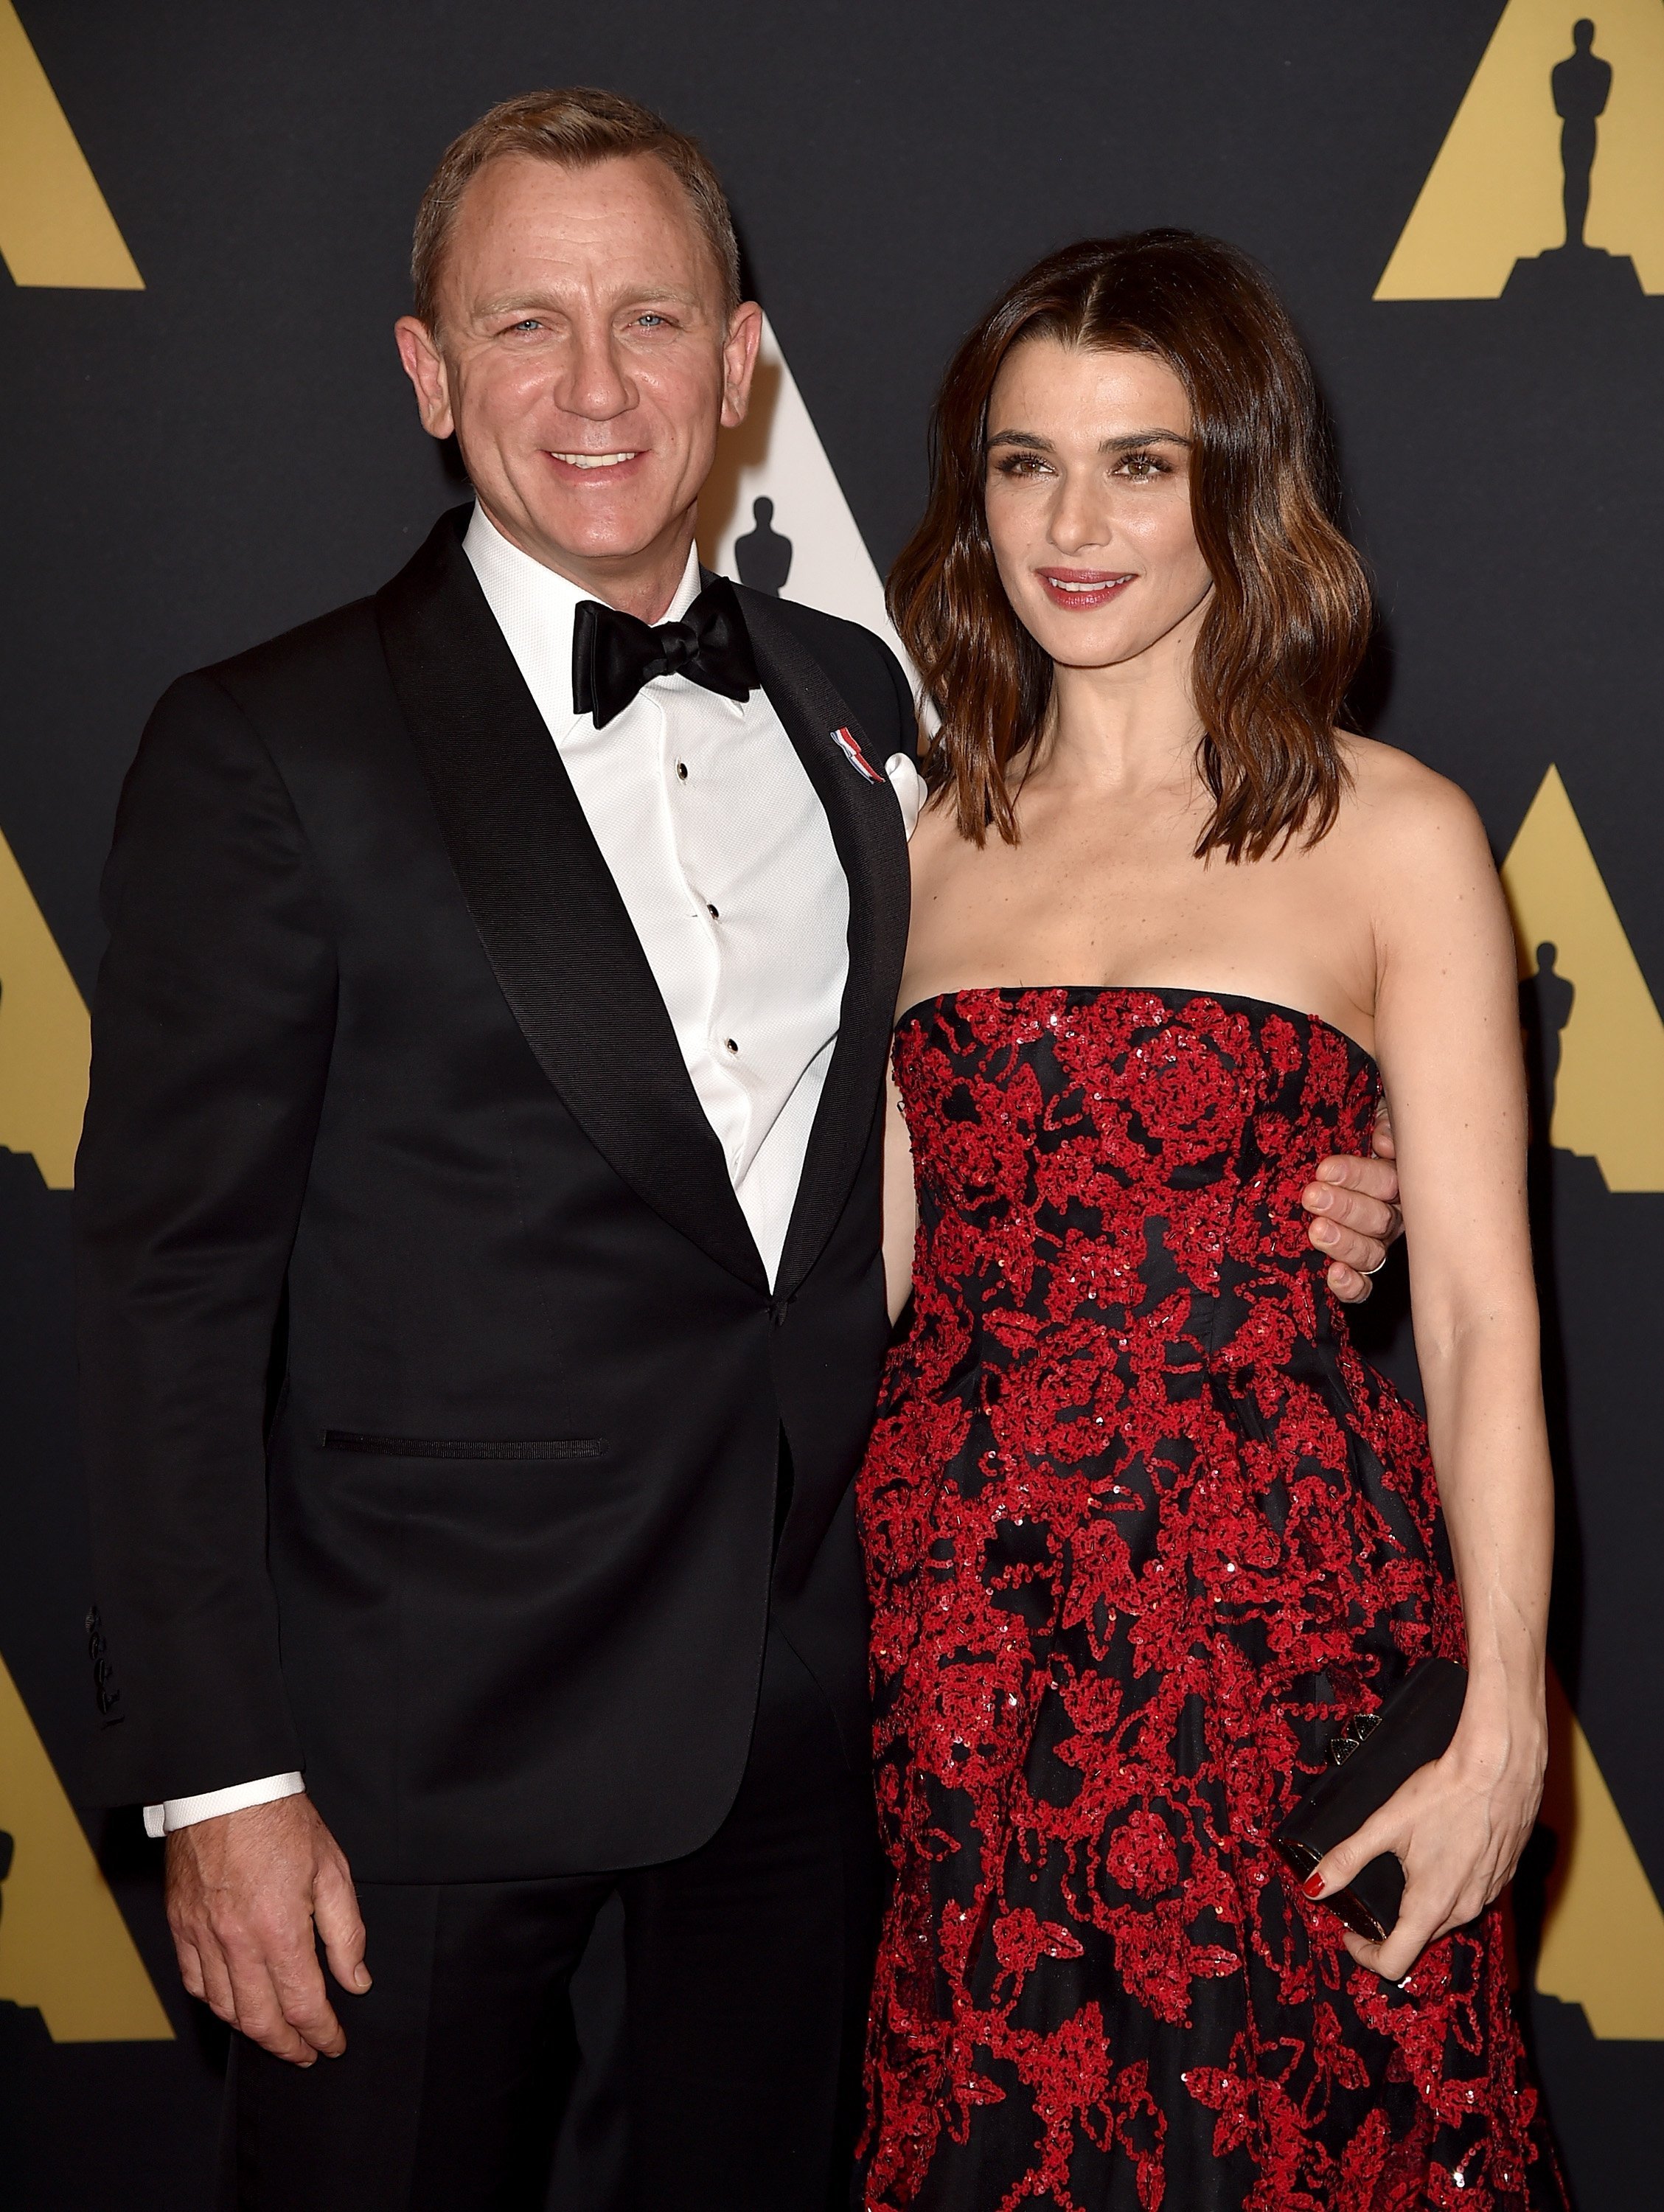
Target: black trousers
(748,1965)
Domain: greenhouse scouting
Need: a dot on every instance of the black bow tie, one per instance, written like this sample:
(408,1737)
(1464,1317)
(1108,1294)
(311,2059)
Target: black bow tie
(614,654)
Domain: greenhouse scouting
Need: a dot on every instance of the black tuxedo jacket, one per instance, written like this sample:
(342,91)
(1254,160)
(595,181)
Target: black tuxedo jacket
(434,1391)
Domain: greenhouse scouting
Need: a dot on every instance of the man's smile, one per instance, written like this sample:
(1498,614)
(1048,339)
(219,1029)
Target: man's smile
(594,460)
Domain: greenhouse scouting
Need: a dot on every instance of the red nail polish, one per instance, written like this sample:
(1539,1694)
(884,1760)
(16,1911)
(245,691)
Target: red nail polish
(1313,1884)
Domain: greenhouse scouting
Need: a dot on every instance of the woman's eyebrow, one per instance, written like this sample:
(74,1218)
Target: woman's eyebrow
(1128,443)
(1145,437)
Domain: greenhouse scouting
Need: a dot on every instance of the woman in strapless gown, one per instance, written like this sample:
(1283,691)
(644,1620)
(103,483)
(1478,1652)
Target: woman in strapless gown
(1145,1533)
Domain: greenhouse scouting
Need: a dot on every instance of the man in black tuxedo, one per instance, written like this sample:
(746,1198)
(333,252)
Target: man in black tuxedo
(478,1221)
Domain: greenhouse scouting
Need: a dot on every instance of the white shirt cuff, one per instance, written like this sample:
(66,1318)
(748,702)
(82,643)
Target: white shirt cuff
(186,1812)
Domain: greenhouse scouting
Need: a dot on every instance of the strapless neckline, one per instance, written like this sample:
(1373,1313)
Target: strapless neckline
(1181,994)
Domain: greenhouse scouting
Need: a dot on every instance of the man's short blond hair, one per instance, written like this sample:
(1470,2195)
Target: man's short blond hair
(575,128)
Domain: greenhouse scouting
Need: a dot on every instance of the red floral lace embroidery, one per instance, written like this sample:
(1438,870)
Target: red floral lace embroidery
(1143,1532)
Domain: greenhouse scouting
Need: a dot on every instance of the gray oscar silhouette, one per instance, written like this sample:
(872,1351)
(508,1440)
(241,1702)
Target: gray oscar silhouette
(1578,273)
(1546,1003)
(762,556)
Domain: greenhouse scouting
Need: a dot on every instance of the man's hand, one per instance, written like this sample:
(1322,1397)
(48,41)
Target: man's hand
(1356,1202)
(243,1894)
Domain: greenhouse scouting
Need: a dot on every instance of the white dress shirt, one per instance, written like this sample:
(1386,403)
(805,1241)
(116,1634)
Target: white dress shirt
(725,862)
(711,829)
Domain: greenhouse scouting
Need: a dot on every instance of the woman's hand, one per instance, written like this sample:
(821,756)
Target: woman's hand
(1458,1826)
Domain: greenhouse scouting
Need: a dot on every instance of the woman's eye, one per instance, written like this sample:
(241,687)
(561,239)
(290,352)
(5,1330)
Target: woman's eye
(1141,467)
(1019,464)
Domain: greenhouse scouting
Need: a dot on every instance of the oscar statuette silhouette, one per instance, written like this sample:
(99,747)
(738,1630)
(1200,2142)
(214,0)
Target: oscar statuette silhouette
(762,556)
(1577,274)
(1546,1003)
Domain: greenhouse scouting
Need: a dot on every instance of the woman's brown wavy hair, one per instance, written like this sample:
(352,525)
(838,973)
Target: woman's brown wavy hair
(1291,612)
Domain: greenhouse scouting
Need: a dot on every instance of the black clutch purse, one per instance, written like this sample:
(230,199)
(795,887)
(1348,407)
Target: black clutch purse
(1377,1754)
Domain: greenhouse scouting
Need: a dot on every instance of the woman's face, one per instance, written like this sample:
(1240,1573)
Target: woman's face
(1089,500)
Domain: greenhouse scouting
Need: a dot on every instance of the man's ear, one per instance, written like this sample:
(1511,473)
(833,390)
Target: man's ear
(424,364)
(740,361)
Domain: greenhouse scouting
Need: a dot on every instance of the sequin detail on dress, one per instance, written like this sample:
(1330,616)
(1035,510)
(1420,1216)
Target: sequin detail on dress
(1143,1532)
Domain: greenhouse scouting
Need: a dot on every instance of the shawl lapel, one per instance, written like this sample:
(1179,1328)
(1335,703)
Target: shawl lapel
(553,926)
(872,844)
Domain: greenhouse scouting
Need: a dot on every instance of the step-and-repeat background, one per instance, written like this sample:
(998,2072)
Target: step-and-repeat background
(204,214)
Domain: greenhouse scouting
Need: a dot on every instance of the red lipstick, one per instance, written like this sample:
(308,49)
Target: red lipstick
(1082,590)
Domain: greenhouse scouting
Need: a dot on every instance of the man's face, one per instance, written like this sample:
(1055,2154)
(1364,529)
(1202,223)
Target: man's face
(585,361)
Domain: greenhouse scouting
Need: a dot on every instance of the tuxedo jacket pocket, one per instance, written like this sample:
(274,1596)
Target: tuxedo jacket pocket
(357,1440)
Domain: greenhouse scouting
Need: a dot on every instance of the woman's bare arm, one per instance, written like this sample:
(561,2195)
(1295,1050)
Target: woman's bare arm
(901,1208)
(1448,1039)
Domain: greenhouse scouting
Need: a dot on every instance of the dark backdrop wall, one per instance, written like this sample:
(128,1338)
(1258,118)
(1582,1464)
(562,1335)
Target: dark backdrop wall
(221,444)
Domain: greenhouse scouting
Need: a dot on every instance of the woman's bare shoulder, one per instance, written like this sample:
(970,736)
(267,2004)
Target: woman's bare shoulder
(1402,810)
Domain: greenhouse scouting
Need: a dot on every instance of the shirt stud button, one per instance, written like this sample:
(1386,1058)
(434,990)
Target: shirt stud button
(681,770)
(729,1045)
(712,911)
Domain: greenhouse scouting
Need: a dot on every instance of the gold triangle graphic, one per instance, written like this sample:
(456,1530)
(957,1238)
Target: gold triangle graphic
(45,1041)
(1493,194)
(55,227)
(65,1947)
(1609,1096)
(1603,1933)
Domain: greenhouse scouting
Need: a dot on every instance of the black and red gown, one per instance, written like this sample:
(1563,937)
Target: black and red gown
(1143,1532)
